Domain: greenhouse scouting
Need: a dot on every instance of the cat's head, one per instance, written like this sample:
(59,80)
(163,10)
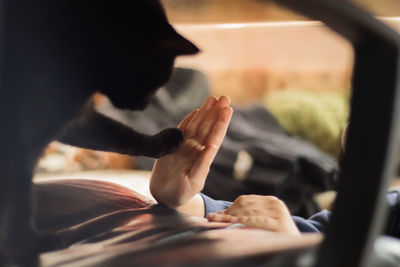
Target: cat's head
(123,48)
(136,51)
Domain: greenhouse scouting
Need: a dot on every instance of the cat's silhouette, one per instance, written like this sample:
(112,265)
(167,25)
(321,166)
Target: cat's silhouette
(54,55)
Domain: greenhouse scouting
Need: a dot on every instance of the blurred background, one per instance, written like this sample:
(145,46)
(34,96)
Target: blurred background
(257,53)
(219,11)
(250,47)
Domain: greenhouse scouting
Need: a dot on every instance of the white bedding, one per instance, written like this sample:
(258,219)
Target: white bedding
(132,179)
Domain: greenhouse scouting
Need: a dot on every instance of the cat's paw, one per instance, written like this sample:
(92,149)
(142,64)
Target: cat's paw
(170,141)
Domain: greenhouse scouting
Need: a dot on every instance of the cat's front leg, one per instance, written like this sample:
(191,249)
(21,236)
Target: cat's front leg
(96,131)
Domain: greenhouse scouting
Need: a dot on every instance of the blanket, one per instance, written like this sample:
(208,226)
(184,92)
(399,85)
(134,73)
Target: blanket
(104,224)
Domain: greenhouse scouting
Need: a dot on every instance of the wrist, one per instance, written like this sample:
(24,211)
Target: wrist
(195,206)
(167,197)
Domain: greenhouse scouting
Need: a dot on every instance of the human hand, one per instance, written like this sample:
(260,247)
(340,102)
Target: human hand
(176,178)
(267,212)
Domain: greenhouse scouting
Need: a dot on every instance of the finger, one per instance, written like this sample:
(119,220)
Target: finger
(224,101)
(206,117)
(201,167)
(218,131)
(184,123)
(216,217)
(207,124)
(264,222)
(253,211)
(197,120)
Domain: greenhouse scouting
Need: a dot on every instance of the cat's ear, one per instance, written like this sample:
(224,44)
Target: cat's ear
(179,45)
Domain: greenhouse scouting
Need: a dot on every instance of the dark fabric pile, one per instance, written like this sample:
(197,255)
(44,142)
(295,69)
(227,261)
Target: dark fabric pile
(281,165)
(257,155)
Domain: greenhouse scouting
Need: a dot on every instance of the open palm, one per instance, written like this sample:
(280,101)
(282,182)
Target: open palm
(178,177)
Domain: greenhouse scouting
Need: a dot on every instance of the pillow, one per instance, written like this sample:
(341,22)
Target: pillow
(318,117)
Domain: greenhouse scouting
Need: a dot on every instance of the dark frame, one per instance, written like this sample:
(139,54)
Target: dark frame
(360,209)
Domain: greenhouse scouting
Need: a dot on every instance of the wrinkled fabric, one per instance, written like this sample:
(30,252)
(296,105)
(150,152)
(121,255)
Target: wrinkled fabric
(104,224)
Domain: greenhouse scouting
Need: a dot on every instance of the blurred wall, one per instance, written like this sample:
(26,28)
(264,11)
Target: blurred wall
(250,47)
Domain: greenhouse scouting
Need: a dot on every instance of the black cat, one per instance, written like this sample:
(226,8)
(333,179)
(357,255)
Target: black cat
(54,54)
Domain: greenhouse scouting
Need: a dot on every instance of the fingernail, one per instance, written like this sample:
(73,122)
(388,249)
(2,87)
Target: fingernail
(211,99)
(227,98)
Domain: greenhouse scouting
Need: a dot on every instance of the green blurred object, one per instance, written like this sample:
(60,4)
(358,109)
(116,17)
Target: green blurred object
(318,117)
